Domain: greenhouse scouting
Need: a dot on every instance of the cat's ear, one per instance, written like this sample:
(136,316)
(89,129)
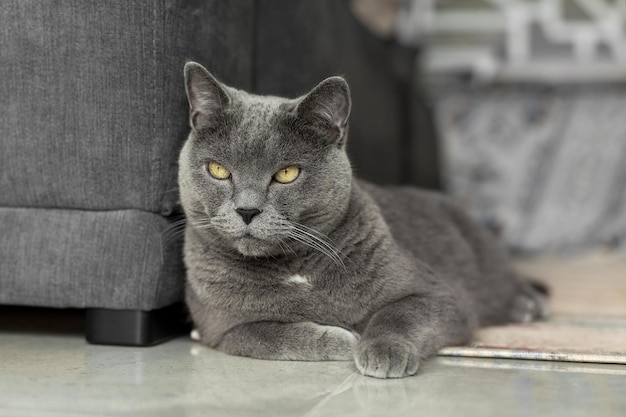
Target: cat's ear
(207,97)
(327,108)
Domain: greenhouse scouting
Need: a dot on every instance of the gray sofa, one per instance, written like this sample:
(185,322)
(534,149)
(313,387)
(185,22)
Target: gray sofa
(93,113)
(92,117)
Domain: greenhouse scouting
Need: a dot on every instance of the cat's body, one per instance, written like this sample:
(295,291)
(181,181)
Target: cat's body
(323,266)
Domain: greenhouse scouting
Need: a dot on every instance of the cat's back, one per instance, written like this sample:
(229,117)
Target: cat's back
(431,226)
(406,207)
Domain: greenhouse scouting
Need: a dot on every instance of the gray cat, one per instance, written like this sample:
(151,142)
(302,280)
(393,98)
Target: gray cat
(290,257)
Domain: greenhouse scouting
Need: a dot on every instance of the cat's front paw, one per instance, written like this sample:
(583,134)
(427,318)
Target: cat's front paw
(387,358)
(337,342)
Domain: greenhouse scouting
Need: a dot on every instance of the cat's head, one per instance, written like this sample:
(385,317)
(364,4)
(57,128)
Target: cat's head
(260,172)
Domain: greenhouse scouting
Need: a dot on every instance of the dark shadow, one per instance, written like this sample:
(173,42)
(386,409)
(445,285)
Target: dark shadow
(18,319)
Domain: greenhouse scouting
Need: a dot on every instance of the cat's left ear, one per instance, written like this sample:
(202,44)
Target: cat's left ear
(327,108)
(207,96)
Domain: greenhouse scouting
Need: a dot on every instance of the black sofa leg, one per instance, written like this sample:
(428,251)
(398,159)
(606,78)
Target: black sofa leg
(136,327)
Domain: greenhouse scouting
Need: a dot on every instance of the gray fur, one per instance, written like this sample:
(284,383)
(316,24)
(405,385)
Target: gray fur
(332,268)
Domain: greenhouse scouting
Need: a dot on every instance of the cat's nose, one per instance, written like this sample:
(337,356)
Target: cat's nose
(247,214)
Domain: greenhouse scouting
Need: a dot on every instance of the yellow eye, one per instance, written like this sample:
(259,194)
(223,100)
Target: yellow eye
(218,171)
(287,175)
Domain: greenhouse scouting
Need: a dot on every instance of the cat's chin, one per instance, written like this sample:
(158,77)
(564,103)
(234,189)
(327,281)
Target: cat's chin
(252,247)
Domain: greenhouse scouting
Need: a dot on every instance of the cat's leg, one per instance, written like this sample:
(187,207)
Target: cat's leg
(401,334)
(305,341)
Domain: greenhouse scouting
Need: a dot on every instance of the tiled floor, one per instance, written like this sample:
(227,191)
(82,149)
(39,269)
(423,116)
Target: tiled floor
(60,375)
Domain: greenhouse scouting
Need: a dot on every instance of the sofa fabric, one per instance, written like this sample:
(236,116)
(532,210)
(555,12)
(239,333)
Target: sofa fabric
(93,105)
(92,116)
(116,259)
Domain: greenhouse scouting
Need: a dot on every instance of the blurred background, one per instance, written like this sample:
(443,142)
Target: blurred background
(527,100)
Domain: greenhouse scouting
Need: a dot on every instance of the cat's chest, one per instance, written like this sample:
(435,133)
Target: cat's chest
(288,294)
(328,298)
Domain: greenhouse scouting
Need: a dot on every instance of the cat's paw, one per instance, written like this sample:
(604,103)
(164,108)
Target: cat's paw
(387,358)
(529,305)
(337,342)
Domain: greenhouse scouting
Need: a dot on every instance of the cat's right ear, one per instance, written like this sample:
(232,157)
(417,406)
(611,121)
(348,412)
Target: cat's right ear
(207,97)
(327,108)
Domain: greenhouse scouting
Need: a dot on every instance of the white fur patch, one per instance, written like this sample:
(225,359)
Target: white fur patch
(299,280)
(195,335)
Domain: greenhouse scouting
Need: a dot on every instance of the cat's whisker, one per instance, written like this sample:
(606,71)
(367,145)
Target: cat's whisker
(320,237)
(172,190)
(326,247)
(318,234)
(175,230)
(311,244)
(170,235)
(282,248)
(327,253)
(317,244)
(282,244)
(201,222)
